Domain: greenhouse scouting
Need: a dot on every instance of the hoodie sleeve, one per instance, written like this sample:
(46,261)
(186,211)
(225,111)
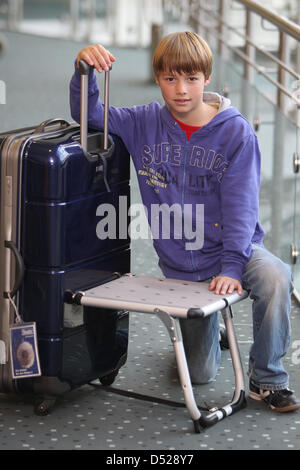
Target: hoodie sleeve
(239,204)
(122,121)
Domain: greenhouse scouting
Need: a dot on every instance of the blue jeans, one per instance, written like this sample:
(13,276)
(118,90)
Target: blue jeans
(269,282)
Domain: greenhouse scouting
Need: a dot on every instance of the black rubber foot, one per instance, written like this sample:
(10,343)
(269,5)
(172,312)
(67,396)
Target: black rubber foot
(197,426)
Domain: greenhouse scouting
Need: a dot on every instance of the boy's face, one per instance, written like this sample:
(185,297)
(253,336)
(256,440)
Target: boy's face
(183,94)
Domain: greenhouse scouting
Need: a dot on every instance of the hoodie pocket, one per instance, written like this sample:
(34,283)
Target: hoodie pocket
(212,234)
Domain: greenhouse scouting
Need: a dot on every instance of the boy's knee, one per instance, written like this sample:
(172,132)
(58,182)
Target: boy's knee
(279,274)
(275,278)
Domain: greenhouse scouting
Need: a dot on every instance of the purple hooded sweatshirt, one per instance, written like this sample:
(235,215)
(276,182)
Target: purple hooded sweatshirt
(210,183)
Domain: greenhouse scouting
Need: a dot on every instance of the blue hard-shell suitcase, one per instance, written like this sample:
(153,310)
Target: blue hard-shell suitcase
(54,179)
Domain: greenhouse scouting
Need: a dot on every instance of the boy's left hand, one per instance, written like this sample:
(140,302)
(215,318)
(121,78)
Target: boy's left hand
(225,285)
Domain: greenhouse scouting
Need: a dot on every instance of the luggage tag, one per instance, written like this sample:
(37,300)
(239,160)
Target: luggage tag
(24,353)
(24,350)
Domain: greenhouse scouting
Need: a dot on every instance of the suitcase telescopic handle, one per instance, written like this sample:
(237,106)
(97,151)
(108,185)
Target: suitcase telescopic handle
(108,144)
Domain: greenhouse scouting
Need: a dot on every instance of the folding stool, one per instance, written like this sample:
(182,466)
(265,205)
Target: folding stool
(171,300)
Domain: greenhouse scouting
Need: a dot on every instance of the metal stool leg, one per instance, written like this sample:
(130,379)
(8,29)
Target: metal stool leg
(235,355)
(238,402)
(173,327)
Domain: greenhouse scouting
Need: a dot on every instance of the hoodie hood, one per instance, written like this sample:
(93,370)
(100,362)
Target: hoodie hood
(219,101)
(225,112)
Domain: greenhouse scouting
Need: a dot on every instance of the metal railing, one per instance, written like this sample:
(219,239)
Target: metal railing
(211,19)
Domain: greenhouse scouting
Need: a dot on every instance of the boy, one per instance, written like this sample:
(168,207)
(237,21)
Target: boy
(198,149)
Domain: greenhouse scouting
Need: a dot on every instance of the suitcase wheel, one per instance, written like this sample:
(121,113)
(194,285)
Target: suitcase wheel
(43,406)
(108,379)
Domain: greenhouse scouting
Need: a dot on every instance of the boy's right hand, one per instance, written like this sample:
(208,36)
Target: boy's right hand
(97,56)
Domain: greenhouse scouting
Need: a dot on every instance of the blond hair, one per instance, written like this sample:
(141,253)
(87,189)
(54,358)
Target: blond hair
(185,52)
